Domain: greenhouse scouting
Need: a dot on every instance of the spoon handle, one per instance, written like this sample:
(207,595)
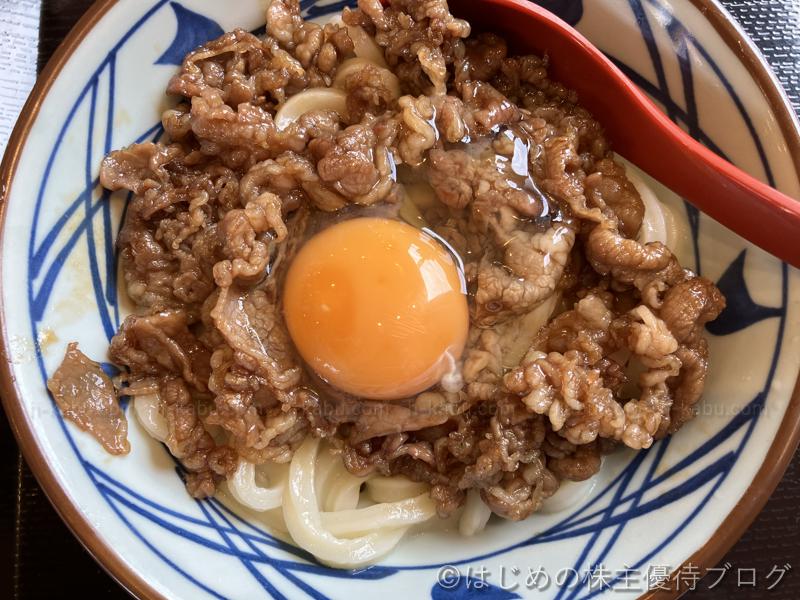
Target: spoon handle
(757,212)
(641,132)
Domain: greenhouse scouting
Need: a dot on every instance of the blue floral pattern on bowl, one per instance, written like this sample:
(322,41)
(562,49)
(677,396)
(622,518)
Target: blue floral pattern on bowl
(679,485)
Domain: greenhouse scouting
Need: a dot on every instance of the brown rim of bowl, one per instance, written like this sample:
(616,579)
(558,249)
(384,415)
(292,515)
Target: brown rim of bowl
(68,510)
(733,35)
(753,500)
(787,437)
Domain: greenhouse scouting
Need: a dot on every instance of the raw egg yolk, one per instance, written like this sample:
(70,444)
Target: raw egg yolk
(376,308)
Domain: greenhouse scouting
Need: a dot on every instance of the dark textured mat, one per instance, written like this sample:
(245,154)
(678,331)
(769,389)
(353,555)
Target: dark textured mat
(39,558)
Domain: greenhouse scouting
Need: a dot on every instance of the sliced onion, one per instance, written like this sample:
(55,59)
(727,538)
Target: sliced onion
(411,214)
(659,223)
(148,411)
(353,65)
(568,495)
(419,196)
(475,515)
(526,328)
(308,100)
(422,194)
(366,46)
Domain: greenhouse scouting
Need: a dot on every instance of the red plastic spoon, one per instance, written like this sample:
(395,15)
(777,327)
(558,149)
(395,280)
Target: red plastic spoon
(641,132)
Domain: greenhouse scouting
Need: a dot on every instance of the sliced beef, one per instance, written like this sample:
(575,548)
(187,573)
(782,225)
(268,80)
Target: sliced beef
(86,396)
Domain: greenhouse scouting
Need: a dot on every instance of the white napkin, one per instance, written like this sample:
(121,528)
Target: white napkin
(19,42)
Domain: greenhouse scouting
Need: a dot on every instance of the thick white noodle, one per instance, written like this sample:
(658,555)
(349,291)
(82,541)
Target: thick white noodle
(343,493)
(307,526)
(148,411)
(362,521)
(312,99)
(244,488)
(475,515)
(337,488)
(326,463)
(392,489)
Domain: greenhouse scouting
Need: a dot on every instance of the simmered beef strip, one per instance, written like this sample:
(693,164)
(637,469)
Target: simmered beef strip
(86,396)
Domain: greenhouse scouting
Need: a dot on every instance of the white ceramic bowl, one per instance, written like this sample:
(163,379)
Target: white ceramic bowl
(686,499)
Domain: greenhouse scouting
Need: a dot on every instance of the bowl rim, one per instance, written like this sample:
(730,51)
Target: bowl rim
(730,530)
